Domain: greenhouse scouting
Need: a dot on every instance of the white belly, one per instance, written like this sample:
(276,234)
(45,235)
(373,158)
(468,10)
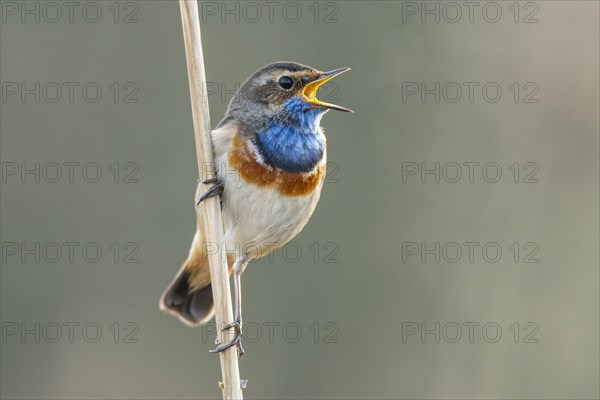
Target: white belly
(259,219)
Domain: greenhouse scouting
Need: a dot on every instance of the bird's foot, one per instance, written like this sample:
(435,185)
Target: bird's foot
(215,190)
(237,340)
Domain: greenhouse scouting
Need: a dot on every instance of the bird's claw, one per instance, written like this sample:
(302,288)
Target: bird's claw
(237,340)
(215,190)
(210,180)
(237,324)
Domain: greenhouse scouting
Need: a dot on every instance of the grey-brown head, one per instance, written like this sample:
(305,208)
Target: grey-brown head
(266,92)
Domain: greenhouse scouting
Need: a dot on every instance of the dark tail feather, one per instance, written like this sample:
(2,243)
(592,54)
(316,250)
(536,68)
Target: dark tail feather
(191,307)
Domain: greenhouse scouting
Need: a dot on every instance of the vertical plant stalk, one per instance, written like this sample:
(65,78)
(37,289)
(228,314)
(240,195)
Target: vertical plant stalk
(213,223)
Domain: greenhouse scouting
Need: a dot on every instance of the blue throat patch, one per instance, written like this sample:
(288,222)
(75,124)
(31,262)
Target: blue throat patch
(292,142)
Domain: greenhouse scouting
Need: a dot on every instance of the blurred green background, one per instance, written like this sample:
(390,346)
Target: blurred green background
(364,298)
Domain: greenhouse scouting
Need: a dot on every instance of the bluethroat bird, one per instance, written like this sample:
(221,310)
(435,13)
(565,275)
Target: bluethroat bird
(270,156)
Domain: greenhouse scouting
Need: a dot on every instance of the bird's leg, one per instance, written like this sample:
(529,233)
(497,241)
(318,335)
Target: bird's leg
(215,190)
(238,268)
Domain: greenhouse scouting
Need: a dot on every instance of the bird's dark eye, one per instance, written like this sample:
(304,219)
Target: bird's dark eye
(305,80)
(286,82)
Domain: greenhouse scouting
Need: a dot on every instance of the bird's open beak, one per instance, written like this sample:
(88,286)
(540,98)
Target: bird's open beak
(309,92)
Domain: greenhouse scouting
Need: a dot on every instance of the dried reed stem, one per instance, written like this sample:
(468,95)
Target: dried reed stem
(213,222)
